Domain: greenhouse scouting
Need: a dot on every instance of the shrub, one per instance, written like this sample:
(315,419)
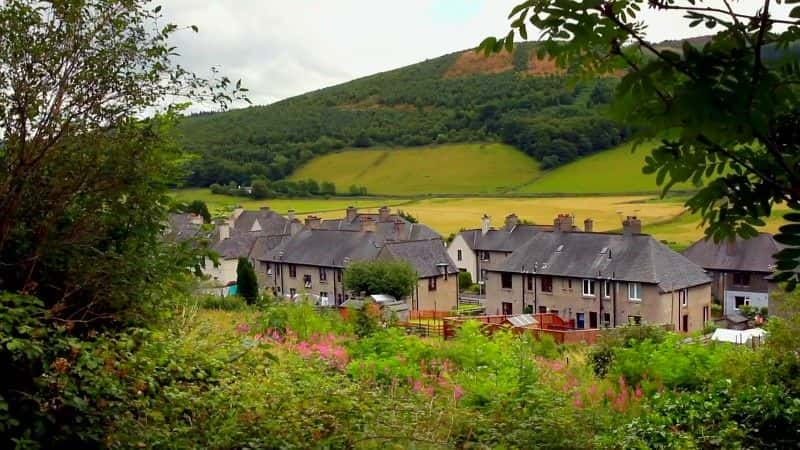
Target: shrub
(246,282)
(231,303)
(464,280)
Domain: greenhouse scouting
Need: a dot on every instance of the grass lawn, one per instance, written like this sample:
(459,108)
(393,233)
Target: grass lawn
(445,169)
(614,171)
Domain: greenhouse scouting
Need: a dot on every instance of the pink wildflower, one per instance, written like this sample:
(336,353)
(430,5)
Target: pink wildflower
(638,392)
(458,392)
(243,328)
(577,401)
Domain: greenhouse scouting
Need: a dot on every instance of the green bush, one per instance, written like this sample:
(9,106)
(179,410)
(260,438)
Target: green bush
(230,303)
(464,280)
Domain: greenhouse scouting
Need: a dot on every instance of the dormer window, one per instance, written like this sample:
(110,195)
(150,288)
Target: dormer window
(560,248)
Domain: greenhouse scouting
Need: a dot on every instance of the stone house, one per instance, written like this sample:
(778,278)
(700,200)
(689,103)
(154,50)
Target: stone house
(601,280)
(740,269)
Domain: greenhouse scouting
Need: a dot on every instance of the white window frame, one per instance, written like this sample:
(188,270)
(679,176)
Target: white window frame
(606,289)
(635,287)
(458,254)
(684,295)
(592,285)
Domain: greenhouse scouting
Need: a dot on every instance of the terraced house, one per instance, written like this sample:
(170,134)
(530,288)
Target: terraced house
(601,280)
(312,261)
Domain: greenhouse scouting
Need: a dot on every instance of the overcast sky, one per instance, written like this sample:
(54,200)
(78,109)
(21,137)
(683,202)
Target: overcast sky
(284,48)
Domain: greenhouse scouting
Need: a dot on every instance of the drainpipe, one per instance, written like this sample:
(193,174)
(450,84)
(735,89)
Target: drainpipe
(535,295)
(283,288)
(522,286)
(600,292)
(614,301)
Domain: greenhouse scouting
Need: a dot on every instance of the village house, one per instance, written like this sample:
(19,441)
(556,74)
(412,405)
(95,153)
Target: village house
(182,226)
(477,251)
(740,269)
(313,260)
(601,280)
(235,237)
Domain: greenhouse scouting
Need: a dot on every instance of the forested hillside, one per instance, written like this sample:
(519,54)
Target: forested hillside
(462,97)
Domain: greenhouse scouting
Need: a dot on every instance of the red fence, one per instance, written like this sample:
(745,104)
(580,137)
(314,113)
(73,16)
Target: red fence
(548,324)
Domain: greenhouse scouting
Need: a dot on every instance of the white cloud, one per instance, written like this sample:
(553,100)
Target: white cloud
(284,48)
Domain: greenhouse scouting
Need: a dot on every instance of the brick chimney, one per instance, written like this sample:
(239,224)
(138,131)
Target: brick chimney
(485,224)
(399,225)
(563,222)
(511,221)
(235,214)
(588,225)
(352,213)
(631,225)
(367,224)
(384,213)
(313,222)
(224,229)
(290,215)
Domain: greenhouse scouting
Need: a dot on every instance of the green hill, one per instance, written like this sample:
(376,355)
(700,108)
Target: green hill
(615,171)
(444,169)
(461,97)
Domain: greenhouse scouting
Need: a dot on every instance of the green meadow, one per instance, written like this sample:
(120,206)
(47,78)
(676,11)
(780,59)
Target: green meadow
(445,169)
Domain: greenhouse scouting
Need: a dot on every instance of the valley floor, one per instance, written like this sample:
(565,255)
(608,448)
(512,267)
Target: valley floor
(666,219)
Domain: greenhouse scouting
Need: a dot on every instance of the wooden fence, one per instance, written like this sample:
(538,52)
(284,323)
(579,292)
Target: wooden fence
(548,324)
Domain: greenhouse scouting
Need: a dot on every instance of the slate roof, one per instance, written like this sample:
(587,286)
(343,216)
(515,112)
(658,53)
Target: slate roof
(236,246)
(422,255)
(182,227)
(741,255)
(270,222)
(264,244)
(327,248)
(503,239)
(625,257)
(384,231)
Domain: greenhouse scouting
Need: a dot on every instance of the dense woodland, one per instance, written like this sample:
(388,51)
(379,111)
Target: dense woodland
(547,117)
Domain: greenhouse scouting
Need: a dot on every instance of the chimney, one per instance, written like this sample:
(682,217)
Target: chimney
(384,213)
(511,221)
(398,229)
(352,213)
(235,214)
(295,226)
(631,225)
(563,223)
(588,225)
(290,215)
(485,222)
(313,222)
(224,230)
(367,224)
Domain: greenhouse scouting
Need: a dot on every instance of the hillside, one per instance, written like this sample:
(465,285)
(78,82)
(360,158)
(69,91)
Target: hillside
(443,169)
(461,97)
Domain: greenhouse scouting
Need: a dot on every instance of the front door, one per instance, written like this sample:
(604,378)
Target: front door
(592,320)
(580,320)
(685,323)
(706,316)
(507,308)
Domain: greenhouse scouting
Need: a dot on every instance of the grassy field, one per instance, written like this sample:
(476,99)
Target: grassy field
(445,169)
(615,171)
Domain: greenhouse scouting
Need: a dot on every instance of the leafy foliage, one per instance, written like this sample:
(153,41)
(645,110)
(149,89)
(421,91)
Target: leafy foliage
(395,278)
(246,282)
(727,106)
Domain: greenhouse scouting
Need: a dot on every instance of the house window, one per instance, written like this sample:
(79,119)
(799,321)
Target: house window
(323,274)
(607,320)
(634,291)
(484,274)
(547,284)
(741,278)
(507,308)
(307,281)
(505,280)
(292,271)
(323,298)
(588,288)
(459,255)
(292,292)
(606,289)
(485,256)
(530,282)
(741,301)
(339,276)
(569,283)
(683,295)
(634,320)
(338,299)
(432,284)
(269,268)
(543,310)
